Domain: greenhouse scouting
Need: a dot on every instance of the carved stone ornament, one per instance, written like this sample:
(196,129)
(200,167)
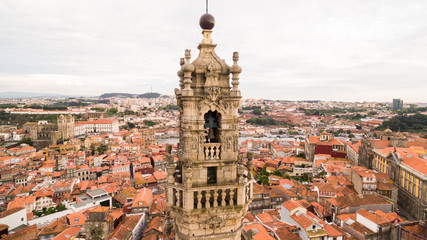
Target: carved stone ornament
(194,143)
(235,143)
(177,91)
(205,105)
(213,93)
(239,159)
(211,73)
(188,177)
(229,142)
(187,162)
(215,222)
(169,158)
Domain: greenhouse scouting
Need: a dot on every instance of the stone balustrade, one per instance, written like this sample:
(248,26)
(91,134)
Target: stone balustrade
(212,151)
(214,198)
(205,197)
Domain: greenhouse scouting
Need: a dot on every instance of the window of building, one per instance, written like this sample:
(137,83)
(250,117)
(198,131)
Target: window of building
(212,125)
(212,172)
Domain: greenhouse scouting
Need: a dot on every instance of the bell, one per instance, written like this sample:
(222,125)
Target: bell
(211,134)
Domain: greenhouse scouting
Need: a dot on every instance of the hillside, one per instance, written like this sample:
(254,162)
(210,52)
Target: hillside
(130,95)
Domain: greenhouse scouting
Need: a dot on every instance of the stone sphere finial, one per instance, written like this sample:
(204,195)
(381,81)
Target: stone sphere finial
(207,21)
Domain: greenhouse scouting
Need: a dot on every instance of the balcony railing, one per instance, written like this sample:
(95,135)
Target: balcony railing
(212,151)
(207,198)
(214,198)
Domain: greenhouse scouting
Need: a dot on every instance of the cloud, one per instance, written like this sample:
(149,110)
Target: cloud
(333,50)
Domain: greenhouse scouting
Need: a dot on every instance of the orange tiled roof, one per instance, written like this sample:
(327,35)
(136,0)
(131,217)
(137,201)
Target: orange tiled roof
(68,233)
(76,218)
(392,217)
(28,233)
(377,219)
(10,211)
(260,233)
(264,217)
(143,198)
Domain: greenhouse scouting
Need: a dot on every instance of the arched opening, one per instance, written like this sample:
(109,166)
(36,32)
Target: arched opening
(212,126)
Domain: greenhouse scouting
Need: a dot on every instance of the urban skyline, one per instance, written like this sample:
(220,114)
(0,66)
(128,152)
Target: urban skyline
(222,158)
(343,51)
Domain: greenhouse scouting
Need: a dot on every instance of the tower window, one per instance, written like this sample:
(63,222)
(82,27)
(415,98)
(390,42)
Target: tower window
(212,125)
(211,175)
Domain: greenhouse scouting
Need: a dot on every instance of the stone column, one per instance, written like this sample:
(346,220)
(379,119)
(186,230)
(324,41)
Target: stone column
(199,200)
(223,194)
(215,202)
(178,198)
(231,197)
(241,195)
(188,200)
(208,198)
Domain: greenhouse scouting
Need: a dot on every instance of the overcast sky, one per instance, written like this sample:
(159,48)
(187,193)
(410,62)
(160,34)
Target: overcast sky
(293,50)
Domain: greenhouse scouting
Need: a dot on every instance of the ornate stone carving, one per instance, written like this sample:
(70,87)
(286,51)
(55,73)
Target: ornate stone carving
(205,105)
(229,142)
(187,163)
(187,68)
(215,222)
(181,73)
(169,158)
(188,177)
(235,71)
(194,143)
(235,143)
(213,93)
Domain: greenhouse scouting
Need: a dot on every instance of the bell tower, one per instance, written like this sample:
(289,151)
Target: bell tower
(208,189)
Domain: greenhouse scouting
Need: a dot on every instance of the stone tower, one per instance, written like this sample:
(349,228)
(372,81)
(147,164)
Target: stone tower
(66,126)
(208,189)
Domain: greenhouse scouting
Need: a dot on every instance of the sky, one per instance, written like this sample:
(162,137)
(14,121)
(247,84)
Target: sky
(343,50)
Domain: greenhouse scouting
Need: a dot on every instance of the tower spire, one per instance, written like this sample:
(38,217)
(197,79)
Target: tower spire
(207,5)
(208,191)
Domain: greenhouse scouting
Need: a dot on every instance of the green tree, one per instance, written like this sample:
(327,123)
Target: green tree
(150,123)
(60,207)
(257,112)
(413,123)
(263,180)
(112,111)
(129,112)
(277,173)
(26,141)
(98,109)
